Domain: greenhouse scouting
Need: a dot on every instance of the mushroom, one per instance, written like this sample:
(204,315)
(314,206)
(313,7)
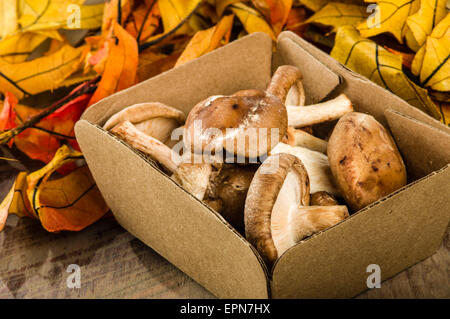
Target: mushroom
(364,160)
(223,186)
(277,213)
(319,113)
(248,123)
(316,164)
(295,137)
(155,119)
(323,199)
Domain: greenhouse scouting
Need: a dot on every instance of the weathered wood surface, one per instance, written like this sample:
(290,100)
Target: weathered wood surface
(114,264)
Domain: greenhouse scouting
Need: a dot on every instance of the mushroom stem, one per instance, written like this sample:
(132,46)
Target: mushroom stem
(319,113)
(148,145)
(308,220)
(304,139)
(296,94)
(323,199)
(282,81)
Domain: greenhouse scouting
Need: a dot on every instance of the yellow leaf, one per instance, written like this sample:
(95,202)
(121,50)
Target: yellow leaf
(390,17)
(4,207)
(431,62)
(41,74)
(54,14)
(207,40)
(221,5)
(337,14)
(68,203)
(8,17)
(252,20)
(314,5)
(17,48)
(421,24)
(174,12)
(20,205)
(366,57)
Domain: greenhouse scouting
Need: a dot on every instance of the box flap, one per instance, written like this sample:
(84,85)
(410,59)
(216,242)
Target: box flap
(394,233)
(288,52)
(184,86)
(174,223)
(359,88)
(424,148)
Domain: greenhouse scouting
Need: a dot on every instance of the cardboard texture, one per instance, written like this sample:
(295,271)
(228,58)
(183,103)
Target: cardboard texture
(395,233)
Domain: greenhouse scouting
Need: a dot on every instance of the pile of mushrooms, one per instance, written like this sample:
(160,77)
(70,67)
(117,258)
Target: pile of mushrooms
(282,184)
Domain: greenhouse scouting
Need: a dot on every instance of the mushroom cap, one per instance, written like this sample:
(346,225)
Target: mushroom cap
(280,183)
(364,160)
(238,123)
(155,119)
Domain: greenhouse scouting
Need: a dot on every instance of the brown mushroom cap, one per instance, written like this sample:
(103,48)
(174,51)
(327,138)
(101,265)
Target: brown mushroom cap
(271,194)
(323,199)
(364,160)
(236,118)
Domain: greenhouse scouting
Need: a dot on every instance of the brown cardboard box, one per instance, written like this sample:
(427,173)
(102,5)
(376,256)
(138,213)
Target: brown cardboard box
(395,232)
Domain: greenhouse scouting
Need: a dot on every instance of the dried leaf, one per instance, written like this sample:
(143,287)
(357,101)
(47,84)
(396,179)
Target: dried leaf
(145,21)
(431,62)
(421,23)
(151,63)
(252,20)
(54,14)
(392,18)
(279,12)
(41,74)
(111,13)
(72,202)
(121,65)
(366,57)
(8,17)
(221,5)
(17,48)
(207,40)
(337,14)
(4,206)
(296,20)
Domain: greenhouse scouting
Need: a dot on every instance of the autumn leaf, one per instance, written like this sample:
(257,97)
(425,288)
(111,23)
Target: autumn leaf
(8,17)
(41,74)
(53,14)
(72,202)
(221,5)
(275,11)
(121,65)
(145,21)
(337,14)
(252,20)
(391,17)
(114,9)
(296,21)
(7,114)
(421,23)
(17,48)
(4,206)
(174,15)
(151,63)
(431,62)
(314,5)
(207,40)
(366,57)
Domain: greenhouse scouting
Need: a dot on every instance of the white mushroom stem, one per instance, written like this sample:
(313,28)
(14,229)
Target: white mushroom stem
(305,221)
(316,165)
(304,139)
(319,113)
(296,94)
(148,145)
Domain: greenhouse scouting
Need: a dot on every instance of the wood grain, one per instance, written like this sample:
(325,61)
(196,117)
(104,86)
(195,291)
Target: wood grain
(114,264)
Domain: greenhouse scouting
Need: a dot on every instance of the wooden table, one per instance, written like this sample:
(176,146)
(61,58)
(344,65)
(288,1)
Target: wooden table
(114,264)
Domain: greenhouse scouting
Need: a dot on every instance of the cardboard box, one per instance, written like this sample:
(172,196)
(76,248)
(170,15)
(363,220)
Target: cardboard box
(395,232)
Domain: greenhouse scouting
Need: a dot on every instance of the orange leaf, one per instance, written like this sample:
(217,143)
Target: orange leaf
(7,115)
(121,65)
(279,12)
(205,41)
(111,13)
(72,202)
(296,20)
(145,20)
(151,64)
(43,140)
(20,204)
(4,207)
